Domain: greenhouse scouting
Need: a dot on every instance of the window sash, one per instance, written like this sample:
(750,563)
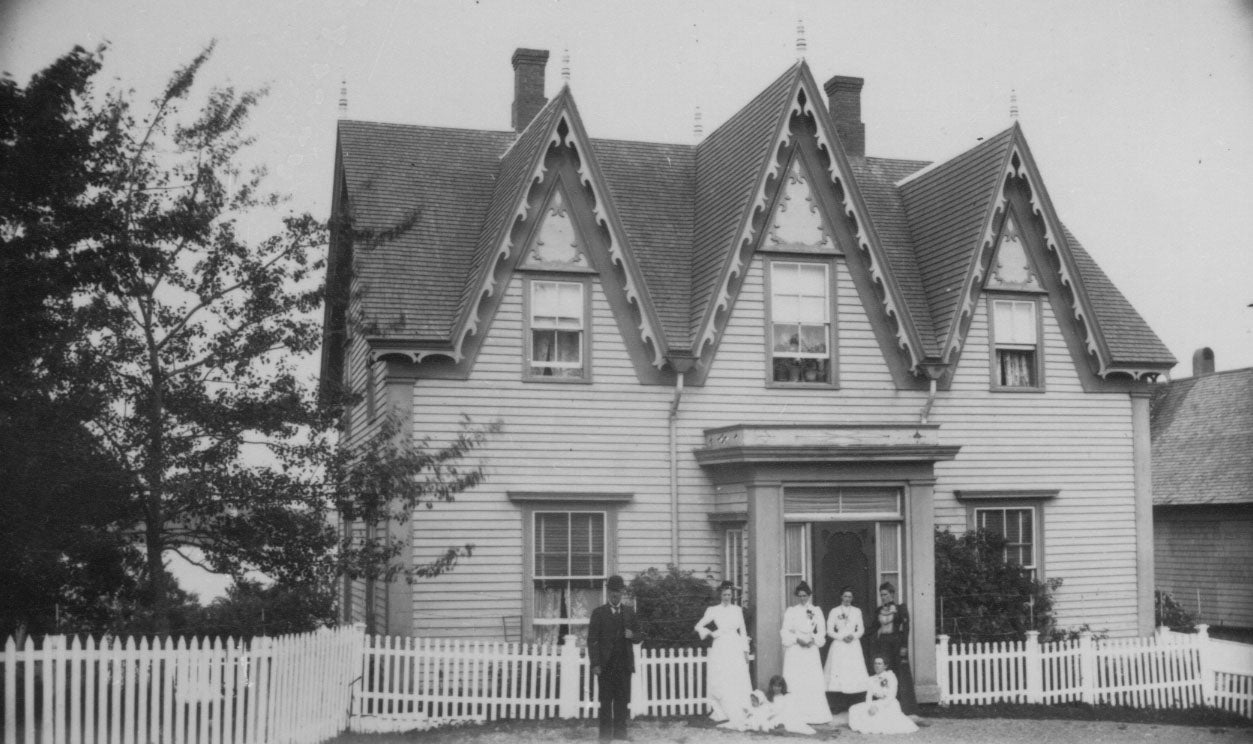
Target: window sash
(557,326)
(571,542)
(800,321)
(795,558)
(1018,526)
(1014,322)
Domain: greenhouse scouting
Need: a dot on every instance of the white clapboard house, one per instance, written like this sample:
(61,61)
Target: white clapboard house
(764,353)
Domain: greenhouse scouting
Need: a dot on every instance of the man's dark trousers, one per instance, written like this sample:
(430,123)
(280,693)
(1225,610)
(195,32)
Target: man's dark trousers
(615,701)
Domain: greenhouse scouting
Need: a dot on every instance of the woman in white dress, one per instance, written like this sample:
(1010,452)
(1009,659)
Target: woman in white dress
(881,713)
(846,666)
(729,686)
(803,635)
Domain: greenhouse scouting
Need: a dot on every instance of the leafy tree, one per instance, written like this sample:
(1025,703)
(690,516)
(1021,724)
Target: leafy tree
(176,331)
(251,609)
(62,562)
(983,597)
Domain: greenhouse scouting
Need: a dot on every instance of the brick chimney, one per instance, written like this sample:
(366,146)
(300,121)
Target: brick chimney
(528,85)
(1203,361)
(844,95)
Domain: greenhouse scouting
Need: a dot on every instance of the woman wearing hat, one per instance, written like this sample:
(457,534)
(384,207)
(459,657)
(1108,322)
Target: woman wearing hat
(803,633)
(729,686)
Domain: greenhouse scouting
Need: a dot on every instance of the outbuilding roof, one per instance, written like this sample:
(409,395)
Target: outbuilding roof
(1202,430)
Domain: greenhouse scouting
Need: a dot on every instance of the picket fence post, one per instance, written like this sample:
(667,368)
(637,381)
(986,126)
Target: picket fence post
(1035,672)
(941,667)
(1205,654)
(568,678)
(1087,668)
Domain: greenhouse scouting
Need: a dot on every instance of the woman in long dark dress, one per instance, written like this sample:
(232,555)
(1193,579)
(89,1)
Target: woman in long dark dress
(888,632)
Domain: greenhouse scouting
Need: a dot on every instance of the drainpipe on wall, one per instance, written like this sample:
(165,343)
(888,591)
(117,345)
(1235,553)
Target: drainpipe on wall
(674,468)
(926,407)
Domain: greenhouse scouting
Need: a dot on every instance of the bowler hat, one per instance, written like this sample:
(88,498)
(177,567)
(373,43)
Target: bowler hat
(615,584)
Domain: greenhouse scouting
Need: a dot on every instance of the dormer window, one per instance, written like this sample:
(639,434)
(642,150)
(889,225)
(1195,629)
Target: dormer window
(800,312)
(557,315)
(1016,353)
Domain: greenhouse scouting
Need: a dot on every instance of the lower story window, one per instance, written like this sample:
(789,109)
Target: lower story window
(735,562)
(569,572)
(1018,526)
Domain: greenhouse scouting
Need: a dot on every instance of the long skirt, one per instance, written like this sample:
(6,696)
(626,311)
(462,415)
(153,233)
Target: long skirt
(806,685)
(846,668)
(729,686)
(880,717)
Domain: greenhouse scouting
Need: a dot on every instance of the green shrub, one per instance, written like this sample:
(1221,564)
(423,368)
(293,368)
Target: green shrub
(669,604)
(982,597)
(1168,612)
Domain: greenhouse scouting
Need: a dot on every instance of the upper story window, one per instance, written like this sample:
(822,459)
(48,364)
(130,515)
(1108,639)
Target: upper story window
(1016,353)
(800,322)
(558,330)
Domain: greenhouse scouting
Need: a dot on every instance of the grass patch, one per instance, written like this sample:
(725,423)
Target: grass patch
(1081,712)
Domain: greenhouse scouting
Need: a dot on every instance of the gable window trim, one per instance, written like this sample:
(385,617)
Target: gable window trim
(1007,344)
(579,372)
(984,502)
(776,361)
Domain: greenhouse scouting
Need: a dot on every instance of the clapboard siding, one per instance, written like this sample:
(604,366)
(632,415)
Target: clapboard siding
(1202,557)
(607,436)
(612,436)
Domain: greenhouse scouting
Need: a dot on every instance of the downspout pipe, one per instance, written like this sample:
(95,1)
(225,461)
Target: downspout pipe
(935,369)
(674,468)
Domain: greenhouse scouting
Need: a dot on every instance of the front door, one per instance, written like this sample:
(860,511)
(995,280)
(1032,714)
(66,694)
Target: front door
(843,556)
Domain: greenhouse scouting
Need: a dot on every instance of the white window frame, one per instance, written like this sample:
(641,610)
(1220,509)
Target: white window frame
(775,268)
(1034,510)
(541,323)
(805,573)
(535,576)
(735,560)
(1014,339)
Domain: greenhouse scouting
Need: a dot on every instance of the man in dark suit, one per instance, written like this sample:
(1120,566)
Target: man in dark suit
(612,631)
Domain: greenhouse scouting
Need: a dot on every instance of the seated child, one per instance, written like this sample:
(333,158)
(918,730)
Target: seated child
(785,714)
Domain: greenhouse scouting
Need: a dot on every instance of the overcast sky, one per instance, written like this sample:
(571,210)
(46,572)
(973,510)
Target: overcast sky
(1139,114)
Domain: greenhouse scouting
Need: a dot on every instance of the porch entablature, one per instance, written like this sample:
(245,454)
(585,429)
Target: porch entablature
(750,443)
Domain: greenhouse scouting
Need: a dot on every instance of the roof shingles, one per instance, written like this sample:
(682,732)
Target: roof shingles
(681,208)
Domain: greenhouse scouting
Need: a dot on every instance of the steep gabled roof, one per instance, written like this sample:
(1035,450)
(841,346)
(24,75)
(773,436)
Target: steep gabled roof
(680,220)
(652,184)
(730,166)
(442,177)
(516,172)
(1202,431)
(877,178)
(948,206)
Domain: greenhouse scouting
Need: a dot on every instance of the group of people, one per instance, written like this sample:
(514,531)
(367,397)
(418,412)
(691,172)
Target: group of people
(797,699)
(794,701)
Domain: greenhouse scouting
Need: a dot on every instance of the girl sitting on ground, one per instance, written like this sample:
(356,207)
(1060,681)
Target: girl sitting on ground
(785,713)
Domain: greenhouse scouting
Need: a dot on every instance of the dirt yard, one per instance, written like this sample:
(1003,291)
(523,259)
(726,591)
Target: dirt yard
(936,731)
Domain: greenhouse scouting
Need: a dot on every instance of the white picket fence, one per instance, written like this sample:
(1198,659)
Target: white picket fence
(1168,670)
(414,681)
(286,690)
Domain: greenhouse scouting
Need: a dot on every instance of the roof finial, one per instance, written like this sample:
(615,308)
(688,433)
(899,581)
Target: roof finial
(1013,105)
(698,128)
(801,47)
(565,67)
(343,99)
